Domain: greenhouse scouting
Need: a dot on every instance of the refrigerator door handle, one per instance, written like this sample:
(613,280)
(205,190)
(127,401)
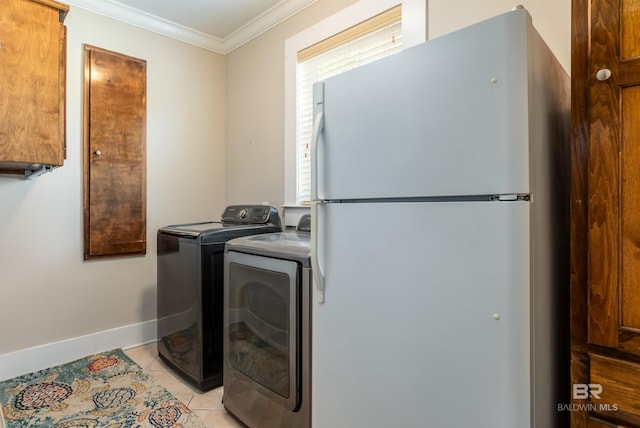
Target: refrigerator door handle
(318,126)
(318,123)
(318,275)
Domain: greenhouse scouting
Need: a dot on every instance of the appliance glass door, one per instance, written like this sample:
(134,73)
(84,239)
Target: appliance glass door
(262,323)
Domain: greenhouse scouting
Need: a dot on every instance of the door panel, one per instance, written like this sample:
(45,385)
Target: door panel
(115,154)
(618,380)
(379,115)
(607,153)
(629,36)
(446,326)
(32,63)
(262,324)
(630,208)
(599,423)
(614,183)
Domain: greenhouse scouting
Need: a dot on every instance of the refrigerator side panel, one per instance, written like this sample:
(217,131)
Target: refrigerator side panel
(447,117)
(425,320)
(549,106)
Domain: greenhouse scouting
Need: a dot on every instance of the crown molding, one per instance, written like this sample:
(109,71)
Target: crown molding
(253,29)
(264,22)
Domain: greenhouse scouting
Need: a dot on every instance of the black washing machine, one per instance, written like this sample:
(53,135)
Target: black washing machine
(190,289)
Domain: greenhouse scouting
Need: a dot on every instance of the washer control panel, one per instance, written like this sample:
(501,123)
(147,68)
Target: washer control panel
(249,214)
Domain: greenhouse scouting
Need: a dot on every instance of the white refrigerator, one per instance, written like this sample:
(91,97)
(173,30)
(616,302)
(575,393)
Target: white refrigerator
(440,235)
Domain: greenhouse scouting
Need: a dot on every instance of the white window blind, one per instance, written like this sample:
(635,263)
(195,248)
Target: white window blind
(358,45)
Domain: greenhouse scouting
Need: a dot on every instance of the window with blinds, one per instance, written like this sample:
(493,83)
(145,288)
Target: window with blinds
(372,39)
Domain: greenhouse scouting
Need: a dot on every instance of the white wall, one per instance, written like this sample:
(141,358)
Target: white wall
(215,136)
(47,292)
(552,19)
(255,88)
(255,109)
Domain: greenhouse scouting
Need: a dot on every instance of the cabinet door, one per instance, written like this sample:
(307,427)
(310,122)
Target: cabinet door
(115,154)
(614,176)
(32,69)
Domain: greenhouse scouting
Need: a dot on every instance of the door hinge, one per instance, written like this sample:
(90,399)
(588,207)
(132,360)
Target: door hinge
(510,197)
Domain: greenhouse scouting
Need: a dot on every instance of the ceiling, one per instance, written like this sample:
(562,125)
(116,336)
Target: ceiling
(217,25)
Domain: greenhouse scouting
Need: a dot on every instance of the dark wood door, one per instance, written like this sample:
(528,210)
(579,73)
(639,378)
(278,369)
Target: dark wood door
(614,175)
(115,154)
(606,209)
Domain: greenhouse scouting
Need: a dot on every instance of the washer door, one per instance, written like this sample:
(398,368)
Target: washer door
(262,320)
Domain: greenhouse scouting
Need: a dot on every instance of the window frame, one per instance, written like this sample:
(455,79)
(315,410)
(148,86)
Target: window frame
(414,30)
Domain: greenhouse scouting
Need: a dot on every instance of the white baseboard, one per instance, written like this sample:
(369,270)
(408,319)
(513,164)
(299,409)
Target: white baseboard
(40,357)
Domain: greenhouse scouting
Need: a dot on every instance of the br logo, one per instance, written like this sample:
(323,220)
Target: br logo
(584,391)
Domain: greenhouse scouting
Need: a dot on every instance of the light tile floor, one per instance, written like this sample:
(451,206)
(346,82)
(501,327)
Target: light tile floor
(208,405)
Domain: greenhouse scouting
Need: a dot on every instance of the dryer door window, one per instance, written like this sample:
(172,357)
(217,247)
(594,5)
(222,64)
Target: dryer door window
(263,322)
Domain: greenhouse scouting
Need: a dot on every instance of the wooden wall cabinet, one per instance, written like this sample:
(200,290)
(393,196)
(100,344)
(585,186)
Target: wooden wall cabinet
(606,210)
(115,90)
(32,71)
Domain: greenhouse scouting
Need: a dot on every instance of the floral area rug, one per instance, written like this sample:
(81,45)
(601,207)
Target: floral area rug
(106,390)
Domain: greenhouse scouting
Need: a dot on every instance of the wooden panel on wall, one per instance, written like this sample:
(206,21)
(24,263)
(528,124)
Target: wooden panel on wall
(114,154)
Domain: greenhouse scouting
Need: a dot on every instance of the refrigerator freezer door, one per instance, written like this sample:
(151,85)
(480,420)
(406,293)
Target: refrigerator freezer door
(426,320)
(447,117)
